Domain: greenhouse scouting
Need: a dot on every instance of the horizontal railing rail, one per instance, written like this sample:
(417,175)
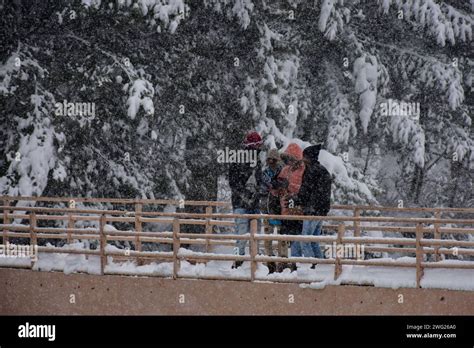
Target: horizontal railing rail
(133,201)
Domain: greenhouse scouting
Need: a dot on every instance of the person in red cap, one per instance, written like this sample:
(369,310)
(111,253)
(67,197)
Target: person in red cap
(245,181)
(253,140)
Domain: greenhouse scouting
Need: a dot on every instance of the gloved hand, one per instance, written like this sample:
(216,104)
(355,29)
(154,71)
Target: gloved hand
(263,206)
(280,183)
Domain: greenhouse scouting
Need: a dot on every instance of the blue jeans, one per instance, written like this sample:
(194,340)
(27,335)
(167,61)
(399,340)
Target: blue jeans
(242,226)
(308,249)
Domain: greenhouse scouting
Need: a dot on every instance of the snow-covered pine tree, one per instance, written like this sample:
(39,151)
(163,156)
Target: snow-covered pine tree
(174,80)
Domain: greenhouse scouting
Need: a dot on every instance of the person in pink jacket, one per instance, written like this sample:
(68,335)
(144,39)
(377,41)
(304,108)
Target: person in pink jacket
(287,185)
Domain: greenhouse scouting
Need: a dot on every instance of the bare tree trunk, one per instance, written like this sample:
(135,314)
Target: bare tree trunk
(455,169)
(417,184)
(367,158)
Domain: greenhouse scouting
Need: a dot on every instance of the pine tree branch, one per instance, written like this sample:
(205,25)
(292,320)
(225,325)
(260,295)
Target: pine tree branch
(130,73)
(434,161)
(367,40)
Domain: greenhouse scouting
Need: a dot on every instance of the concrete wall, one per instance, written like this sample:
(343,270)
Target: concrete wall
(25,292)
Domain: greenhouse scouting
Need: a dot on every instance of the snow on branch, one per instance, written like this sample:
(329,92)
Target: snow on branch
(167,12)
(409,132)
(365,73)
(140,95)
(240,9)
(442,21)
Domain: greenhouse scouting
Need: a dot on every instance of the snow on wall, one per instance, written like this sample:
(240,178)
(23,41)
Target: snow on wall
(322,275)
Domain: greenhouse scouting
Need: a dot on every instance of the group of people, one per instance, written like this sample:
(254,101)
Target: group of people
(292,183)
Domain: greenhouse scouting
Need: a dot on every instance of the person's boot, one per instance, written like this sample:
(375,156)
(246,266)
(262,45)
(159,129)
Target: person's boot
(313,266)
(293,267)
(271,267)
(237,264)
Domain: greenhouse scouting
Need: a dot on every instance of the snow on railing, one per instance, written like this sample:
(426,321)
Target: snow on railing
(347,232)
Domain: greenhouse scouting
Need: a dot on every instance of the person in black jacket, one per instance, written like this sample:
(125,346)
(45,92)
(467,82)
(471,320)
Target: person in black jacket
(315,199)
(245,183)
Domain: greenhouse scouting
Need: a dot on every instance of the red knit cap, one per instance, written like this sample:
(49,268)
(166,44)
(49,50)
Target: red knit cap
(253,140)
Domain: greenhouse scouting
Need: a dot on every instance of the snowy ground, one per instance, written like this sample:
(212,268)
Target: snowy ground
(387,277)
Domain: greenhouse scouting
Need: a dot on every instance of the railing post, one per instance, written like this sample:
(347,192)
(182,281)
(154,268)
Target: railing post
(103,243)
(356,223)
(341,229)
(138,226)
(70,225)
(176,246)
(6,220)
(138,230)
(419,255)
(253,248)
(33,239)
(437,235)
(209,228)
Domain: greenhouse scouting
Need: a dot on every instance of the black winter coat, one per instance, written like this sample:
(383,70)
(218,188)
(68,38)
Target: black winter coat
(315,192)
(244,196)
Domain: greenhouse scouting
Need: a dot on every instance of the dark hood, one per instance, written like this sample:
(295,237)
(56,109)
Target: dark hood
(312,153)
